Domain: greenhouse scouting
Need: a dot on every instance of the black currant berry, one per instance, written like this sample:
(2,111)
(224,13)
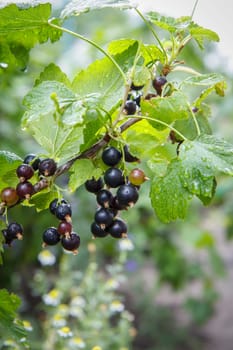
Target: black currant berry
(128,156)
(136,87)
(93,185)
(104,217)
(25,190)
(127,195)
(118,229)
(116,206)
(53,205)
(47,167)
(32,160)
(111,156)
(113,177)
(158,84)
(137,177)
(104,198)
(24,172)
(8,239)
(51,236)
(137,99)
(71,242)
(9,196)
(97,231)
(130,107)
(64,228)
(15,230)
(64,212)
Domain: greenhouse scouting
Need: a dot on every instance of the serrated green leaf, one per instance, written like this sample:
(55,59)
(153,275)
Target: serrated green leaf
(187,127)
(8,165)
(204,79)
(116,47)
(81,171)
(54,73)
(169,23)
(41,200)
(104,80)
(21,29)
(200,34)
(151,54)
(9,304)
(169,198)
(141,75)
(76,7)
(166,109)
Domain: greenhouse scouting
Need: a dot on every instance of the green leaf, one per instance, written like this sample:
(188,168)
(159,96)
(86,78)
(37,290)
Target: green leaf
(151,54)
(187,127)
(204,79)
(8,165)
(167,109)
(200,34)
(2,240)
(104,80)
(170,24)
(76,7)
(116,47)
(42,199)
(21,29)
(9,304)
(81,171)
(169,197)
(54,73)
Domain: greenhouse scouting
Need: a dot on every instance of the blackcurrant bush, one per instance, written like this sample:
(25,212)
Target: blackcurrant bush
(9,196)
(111,156)
(136,87)
(51,236)
(104,198)
(71,242)
(158,84)
(47,167)
(127,195)
(25,190)
(113,177)
(128,156)
(32,160)
(15,230)
(24,172)
(118,229)
(137,177)
(97,231)
(64,212)
(64,228)
(104,217)
(130,107)
(93,185)
(53,205)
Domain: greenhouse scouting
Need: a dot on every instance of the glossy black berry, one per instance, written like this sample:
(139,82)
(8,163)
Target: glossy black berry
(51,236)
(116,206)
(127,195)
(158,84)
(130,107)
(15,230)
(104,198)
(93,185)
(8,239)
(113,177)
(9,196)
(63,212)
(25,190)
(47,167)
(118,229)
(128,156)
(24,172)
(53,205)
(71,242)
(32,160)
(111,156)
(64,228)
(104,217)
(97,231)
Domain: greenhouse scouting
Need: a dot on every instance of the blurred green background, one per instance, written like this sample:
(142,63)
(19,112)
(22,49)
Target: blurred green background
(160,290)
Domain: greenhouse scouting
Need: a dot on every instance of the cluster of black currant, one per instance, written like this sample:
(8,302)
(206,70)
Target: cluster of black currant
(134,97)
(63,233)
(106,220)
(10,196)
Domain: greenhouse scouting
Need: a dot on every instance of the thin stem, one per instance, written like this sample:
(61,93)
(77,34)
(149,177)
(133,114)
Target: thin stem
(89,41)
(152,31)
(194,8)
(165,124)
(195,121)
